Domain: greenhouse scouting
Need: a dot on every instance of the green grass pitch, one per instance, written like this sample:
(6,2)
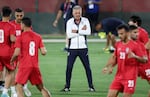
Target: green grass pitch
(53,67)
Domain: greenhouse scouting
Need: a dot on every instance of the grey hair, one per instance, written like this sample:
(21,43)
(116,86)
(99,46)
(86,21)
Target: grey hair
(77,7)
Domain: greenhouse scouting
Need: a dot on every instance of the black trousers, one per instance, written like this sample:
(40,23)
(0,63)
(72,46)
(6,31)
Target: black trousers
(83,55)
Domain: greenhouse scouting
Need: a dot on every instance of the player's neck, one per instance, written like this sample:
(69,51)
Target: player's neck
(5,19)
(17,22)
(27,29)
(126,40)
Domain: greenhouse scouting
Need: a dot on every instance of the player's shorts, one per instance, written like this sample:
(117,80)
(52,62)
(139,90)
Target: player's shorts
(144,71)
(124,85)
(32,74)
(5,62)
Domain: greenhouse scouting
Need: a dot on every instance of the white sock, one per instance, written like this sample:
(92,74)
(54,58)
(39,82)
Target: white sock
(25,86)
(13,89)
(5,91)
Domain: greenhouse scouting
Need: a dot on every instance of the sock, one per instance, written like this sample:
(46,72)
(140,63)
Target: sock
(5,91)
(25,86)
(13,89)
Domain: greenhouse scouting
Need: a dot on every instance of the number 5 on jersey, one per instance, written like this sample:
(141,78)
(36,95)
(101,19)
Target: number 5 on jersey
(32,48)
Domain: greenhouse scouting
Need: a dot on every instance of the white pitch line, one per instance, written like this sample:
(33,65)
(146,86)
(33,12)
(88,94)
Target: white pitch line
(63,40)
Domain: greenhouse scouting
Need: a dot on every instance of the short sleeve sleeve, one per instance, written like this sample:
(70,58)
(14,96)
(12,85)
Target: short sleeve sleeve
(62,7)
(18,42)
(12,29)
(41,44)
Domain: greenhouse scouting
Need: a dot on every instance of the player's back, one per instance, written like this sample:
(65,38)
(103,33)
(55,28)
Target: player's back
(6,29)
(143,35)
(30,43)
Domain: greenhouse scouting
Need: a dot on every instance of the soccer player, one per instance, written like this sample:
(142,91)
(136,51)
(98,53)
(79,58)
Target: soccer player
(7,37)
(143,34)
(28,44)
(109,26)
(19,14)
(143,69)
(125,56)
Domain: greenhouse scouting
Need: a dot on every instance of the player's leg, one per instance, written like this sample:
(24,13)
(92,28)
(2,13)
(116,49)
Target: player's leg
(43,90)
(13,85)
(22,76)
(108,37)
(148,90)
(36,79)
(26,90)
(8,81)
(83,55)
(127,95)
(113,93)
(2,77)
(19,88)
(149,93)
(113,41)
(72,55)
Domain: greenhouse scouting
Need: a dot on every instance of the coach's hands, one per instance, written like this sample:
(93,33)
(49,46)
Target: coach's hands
(74,31)
(84,27)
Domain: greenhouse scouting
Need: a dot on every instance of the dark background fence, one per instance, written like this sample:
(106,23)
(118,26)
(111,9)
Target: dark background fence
(43,12)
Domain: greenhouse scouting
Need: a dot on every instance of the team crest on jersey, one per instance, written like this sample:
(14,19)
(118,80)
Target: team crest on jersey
(127,50)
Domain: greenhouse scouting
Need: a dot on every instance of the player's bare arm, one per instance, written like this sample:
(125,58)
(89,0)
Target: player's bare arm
(142,59)
(15,55)
(12,38)
(110,65)
(147,45)
(43,51)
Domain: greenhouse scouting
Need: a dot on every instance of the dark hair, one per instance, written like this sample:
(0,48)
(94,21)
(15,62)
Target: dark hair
(123,26)
(136,19)
(18,10)
(6,11)
(132,27)
(27,21)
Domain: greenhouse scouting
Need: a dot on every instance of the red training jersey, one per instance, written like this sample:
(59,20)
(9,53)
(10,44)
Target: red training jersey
(29,42)
(18,27)
(143,35)
(6,29)
(127,67)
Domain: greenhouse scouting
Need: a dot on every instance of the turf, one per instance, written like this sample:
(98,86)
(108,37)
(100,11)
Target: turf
(53,67)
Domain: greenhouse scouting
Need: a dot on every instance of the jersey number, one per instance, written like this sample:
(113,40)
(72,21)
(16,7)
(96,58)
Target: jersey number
(122,55)
(130,83)
(147,71)
(1,36)
(32,48)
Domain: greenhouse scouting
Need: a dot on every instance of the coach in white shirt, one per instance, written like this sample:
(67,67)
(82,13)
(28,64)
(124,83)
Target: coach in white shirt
(77,29)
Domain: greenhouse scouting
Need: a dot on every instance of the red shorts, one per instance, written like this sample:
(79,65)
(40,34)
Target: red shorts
(32,74)
(144,71)
(5,61)
(124,85)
